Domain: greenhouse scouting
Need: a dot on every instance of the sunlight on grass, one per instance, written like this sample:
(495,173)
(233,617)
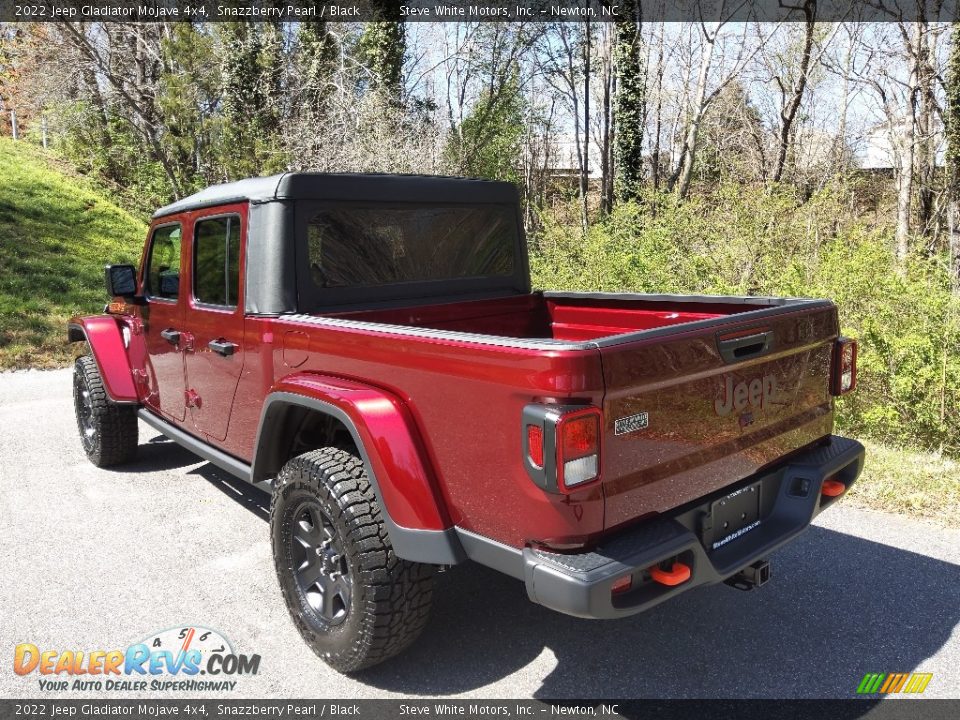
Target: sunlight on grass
(56,234)
(918,484)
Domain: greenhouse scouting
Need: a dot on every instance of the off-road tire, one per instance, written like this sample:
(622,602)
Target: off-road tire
(108,432)
(389,598)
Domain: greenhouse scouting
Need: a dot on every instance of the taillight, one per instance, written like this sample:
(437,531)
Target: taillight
(535,444)
(561,446)
(844,370)
(578,448)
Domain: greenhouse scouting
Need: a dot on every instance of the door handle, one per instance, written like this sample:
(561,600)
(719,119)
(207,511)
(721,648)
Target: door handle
(222,347)
(171,336)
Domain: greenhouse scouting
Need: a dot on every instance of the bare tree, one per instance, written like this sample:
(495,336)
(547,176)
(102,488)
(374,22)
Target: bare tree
(656,166)
(891,72)
(792,88)
(604,122)
(952,155)
(128,59)
(705,90)
(566,52)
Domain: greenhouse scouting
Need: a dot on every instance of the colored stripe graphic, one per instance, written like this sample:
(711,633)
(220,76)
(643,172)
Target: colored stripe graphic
(891,679)
(870,683)
(918,682)
(887,683)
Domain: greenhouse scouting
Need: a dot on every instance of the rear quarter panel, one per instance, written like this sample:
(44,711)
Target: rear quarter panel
(465,398)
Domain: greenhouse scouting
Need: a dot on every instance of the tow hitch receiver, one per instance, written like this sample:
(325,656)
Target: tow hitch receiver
(752,576)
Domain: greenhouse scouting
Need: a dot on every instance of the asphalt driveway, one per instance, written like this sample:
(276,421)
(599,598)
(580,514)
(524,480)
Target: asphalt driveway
(97,559)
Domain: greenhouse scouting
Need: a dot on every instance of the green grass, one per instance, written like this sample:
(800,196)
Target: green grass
(57,231)
(922,485)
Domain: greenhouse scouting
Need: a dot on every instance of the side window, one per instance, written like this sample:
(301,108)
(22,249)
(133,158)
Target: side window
(216,260)
(163,265)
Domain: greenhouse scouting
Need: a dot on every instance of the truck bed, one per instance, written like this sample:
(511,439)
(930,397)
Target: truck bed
(569,317)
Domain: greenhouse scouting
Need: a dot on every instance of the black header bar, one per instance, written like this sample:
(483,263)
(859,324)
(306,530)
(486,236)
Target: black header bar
(474,10)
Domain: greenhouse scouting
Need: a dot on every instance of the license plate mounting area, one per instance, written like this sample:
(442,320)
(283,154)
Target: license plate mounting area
(731,517)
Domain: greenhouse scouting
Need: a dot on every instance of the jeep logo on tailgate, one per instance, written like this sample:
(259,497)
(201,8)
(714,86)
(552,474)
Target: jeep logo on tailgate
(756,392)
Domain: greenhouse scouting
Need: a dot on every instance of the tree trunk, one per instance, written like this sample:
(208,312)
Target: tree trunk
(904,197)
(631,104)
(926,157)
(953,230)
(907,146)
(839,158)
(789,111)
(607,132)
(952,155)
(685,171)
(658,123)
(585,165)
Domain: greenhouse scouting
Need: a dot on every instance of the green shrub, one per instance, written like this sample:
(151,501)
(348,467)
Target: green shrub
(756,241)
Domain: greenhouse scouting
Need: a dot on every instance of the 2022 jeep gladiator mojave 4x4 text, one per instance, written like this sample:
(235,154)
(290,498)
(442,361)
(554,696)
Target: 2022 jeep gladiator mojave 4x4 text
(367,348)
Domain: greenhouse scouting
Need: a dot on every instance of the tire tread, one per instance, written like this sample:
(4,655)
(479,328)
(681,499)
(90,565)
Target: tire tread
(397,593)
(118,432)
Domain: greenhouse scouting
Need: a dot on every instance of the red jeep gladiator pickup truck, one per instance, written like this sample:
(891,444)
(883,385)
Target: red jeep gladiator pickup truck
(368,349)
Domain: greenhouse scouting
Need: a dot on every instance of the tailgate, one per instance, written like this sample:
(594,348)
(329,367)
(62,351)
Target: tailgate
(694,410)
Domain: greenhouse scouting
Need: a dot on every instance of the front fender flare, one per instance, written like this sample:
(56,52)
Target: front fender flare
(102,333)
(388,442)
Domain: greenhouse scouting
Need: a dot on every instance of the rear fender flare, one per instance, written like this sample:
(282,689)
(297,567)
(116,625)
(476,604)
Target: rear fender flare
(413,510)
(103,334)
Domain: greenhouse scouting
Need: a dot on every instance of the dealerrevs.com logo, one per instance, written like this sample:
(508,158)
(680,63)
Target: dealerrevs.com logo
(183,659)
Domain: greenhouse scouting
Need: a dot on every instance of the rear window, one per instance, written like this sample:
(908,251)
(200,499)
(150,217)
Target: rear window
(360,246)
(216,260)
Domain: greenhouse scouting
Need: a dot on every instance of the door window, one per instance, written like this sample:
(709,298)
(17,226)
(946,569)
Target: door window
(216,261)
(163,265)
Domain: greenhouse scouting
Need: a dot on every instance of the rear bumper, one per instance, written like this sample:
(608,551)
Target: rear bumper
(581,584)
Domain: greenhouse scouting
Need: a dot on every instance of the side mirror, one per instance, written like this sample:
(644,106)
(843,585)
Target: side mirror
(121,281)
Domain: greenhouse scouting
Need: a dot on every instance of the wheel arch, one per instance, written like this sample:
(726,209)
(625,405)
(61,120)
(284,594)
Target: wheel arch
(381,432)
(103,335)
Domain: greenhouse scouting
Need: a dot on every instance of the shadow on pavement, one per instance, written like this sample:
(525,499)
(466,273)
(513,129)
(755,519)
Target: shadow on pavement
(254,500)
(156,454)
(838,606)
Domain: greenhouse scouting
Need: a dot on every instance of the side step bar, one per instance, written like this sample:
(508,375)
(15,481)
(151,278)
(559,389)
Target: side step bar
(230,464)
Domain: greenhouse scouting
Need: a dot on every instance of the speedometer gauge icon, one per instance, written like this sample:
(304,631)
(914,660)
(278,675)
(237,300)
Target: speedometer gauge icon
(183,639)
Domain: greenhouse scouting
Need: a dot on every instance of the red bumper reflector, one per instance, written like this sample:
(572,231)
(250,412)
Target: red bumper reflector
(535,444)
(833,488)
(621,585)
(677,574)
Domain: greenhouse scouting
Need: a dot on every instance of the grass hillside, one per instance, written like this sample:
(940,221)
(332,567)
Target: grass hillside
(57,231)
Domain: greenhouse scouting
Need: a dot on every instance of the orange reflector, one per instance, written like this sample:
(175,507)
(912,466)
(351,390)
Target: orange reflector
(621,585)
(833,488)
(679,573)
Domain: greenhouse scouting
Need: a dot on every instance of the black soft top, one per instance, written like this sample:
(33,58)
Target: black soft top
(347,186)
